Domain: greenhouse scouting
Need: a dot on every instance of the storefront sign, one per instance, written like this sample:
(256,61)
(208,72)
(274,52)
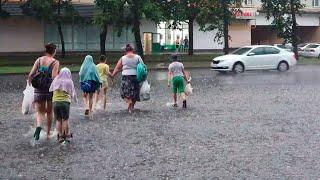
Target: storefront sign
(245,14)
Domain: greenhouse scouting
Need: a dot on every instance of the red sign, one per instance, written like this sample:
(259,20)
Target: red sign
(244,15)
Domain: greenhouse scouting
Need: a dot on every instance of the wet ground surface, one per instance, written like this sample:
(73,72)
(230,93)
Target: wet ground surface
(257,125)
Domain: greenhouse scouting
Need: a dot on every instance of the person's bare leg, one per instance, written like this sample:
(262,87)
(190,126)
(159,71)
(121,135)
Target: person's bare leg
(90,104)
(174,98)
(183,96)
(59,126)
(133,103)
(40,113)
(40,108)
(129,102)
(65,127)
(95,100)
(184,100)
(85,102)
(49,117)
(105,92)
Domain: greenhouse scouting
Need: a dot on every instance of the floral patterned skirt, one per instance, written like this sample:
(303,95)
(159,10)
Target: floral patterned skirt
(130,88)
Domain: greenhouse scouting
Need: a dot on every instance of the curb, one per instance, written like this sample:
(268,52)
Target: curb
(150,69)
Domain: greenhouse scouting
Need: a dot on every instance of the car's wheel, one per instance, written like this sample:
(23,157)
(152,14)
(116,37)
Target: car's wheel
(283,66)
(238,68)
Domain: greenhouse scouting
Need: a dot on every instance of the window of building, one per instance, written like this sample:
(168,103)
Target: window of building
(248,2)
(315,3)
(85,37)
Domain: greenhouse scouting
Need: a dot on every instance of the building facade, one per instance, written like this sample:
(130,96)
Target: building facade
(20,33)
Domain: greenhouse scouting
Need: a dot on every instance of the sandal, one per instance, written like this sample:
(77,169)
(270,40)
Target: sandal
(184,104)
(175,105)
(86,112)
(60,138)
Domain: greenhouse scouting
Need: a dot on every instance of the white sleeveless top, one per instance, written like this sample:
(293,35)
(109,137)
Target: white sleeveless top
(129,65)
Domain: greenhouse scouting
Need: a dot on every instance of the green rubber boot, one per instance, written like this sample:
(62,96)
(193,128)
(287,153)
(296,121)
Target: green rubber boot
(36,134)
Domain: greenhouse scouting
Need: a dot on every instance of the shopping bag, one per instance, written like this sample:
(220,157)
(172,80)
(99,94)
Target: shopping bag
(27,103)
(188,89)
(145,91)
(142,72)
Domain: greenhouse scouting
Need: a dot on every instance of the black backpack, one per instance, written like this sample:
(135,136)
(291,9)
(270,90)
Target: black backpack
(42,79)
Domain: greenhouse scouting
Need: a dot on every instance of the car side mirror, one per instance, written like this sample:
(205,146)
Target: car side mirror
(251,54)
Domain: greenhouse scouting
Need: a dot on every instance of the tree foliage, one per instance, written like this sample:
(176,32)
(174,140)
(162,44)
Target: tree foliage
(139,9)
(181,11)
(108,12)
(47,10)
(284,21)
(217,15)
(3,14)
(51,11)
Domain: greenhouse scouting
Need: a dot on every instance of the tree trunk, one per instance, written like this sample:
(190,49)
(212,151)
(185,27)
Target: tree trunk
(225,27)
(137,36)
(190,28)
(63,51)
(103,37)
(294,31)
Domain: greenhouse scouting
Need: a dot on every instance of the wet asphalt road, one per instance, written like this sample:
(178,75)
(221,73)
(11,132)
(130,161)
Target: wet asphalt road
(257,125)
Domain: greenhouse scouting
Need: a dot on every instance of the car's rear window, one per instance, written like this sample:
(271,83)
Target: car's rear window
(313,46)
(241,51)
(281,46)
(302,45)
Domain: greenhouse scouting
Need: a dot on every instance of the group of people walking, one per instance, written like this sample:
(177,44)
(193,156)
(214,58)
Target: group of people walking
(54,89)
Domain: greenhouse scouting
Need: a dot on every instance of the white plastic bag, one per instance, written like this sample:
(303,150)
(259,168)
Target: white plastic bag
(27,103)
(145,91)
(188,89)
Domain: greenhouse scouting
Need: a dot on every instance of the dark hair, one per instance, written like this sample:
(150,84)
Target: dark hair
(129,48)
(50,48)
(174,57)
(103,58)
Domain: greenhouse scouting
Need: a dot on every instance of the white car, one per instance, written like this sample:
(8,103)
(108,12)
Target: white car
(287,47)
(312,50)
(302,47)
(254,58)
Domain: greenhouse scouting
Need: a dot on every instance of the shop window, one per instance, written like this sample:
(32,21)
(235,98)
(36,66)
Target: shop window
(79,37)
(315,3)
(93,38)
(120,41)
(248,2)
(67,36)
(51,35)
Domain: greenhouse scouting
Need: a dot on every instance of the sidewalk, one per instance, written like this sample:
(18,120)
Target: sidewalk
(198,62)
(75,68)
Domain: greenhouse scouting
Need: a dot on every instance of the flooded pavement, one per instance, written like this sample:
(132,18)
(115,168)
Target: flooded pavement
(257,125)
